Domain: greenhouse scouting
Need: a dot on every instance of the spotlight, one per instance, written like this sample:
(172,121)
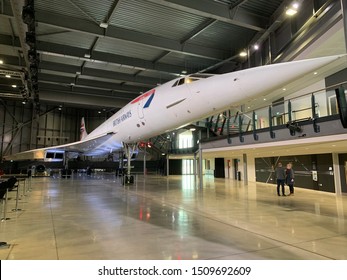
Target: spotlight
(293,127)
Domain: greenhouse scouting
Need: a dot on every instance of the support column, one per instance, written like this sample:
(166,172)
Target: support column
(201,176)
(167,165)
(344,18)
(337,174)
(245,174)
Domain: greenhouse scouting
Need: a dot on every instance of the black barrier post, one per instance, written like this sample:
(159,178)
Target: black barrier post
(5,207)
(316,127)
(228,131)
(255,136)
(17,196)
(240,129)
(272,134)
(342,105)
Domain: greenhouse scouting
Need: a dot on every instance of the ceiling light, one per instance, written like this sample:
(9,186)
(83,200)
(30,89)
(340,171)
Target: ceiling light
(14,86)
(291,12)
(295,5)
(192,129)
(8,76)
(87,55)
(103,25)
(293,9)
(284,89)
(315,73)
(184,72)
(256,47)
(1,62)
(243,53)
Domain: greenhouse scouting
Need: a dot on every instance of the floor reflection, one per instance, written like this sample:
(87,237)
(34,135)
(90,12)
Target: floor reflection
(96,217)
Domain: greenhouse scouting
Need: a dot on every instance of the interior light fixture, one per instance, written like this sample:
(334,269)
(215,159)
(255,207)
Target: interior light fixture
(103,25)
(293,9)
(14,86)
(1,62)
(87,55)
(256,47)
(243,53)
(8,76)
(291,12)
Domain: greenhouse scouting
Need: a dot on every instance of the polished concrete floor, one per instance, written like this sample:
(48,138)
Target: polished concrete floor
(88,218)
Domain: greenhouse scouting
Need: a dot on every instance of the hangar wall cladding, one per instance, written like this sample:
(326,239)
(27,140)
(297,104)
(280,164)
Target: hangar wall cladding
(21,130)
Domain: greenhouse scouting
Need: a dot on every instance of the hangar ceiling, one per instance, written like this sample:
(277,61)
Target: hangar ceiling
(105,53)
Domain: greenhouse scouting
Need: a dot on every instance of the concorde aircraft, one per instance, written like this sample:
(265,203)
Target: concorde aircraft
(178,103)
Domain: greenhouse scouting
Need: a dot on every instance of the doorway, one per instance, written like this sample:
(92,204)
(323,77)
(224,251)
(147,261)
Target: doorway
(187,167)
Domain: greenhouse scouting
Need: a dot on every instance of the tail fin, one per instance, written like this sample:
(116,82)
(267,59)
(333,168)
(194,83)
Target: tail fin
(83,132)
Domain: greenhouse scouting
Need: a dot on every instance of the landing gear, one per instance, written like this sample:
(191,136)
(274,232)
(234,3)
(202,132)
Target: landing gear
(129,150)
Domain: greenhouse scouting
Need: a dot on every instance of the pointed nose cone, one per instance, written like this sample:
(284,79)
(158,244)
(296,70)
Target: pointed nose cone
(266,78)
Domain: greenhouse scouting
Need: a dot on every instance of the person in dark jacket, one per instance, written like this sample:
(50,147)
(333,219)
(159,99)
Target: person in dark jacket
(280,174)
(290,178)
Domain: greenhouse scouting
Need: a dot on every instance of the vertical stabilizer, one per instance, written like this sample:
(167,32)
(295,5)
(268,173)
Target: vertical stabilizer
(83,132)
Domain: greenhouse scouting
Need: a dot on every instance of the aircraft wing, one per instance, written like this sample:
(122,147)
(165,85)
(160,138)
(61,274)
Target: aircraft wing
(87,146)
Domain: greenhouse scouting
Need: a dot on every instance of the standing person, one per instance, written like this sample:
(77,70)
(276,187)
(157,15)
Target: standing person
(280,173)
(290,178)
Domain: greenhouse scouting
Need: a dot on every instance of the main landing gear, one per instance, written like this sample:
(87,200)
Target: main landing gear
(129,149)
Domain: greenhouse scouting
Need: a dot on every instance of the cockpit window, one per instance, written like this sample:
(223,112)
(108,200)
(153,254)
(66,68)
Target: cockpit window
(191,78)
(181,82)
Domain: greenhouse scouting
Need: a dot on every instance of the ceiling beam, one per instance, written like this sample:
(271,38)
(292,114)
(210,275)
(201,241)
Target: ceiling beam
(43,77)
(81,99)
(112,11)
(117,33)
(79,53)
(142,64)
(64,68)
(214,10)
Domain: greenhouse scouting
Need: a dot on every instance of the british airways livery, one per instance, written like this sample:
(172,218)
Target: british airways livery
(178,103)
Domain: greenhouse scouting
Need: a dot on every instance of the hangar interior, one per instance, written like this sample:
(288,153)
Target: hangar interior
(64,60)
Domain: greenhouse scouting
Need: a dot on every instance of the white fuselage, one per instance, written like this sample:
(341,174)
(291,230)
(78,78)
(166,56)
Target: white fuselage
(177,103)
